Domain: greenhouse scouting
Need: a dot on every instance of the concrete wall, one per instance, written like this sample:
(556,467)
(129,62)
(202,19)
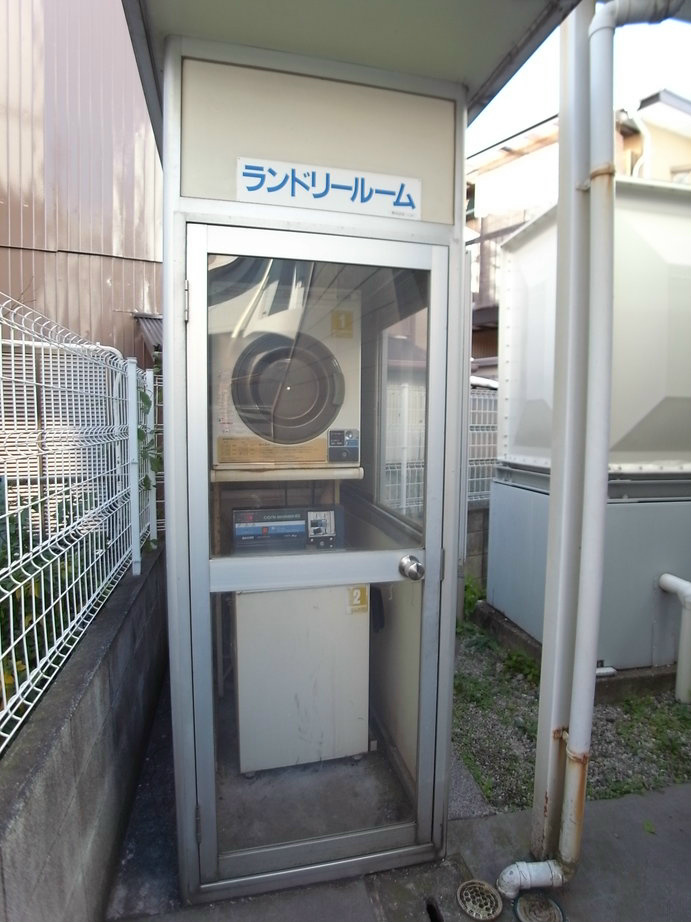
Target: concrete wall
(67,781)
(475,564)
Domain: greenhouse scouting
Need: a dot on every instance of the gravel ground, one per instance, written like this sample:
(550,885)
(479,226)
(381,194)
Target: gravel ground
(642,743)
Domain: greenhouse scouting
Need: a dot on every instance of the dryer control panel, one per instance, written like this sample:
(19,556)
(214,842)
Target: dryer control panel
(288,529)
(344,446)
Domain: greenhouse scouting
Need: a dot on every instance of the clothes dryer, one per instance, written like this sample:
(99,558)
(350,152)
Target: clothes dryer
(286,379)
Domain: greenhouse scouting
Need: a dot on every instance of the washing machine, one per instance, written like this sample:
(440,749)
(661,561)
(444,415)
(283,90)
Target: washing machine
(302,675)
(285,372)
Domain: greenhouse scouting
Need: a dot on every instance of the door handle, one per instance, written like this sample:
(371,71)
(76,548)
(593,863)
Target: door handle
(411,567)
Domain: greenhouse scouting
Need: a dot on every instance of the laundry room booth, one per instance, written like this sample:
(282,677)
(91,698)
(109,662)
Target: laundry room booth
(314,393)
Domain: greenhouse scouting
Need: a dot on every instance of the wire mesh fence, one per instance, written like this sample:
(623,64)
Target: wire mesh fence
(77,468)
(80,462)
(404,467)
(403,471)
(482,443)
(404,488)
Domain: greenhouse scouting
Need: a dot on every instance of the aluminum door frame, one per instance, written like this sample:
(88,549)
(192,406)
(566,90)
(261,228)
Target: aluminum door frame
(178,212)
(229,574)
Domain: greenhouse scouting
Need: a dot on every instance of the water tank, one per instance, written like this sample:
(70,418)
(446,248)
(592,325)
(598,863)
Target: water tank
(651,361)
(648,516)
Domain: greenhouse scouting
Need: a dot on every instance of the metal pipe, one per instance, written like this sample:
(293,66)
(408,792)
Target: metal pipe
(607,17)
(596,468)
(602,170)
(596,432)
(568,427)
(681,588)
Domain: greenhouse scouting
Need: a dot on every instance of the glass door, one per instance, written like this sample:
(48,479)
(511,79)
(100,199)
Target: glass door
(316,377)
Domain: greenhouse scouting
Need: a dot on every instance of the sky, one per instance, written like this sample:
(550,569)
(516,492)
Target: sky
(647,58)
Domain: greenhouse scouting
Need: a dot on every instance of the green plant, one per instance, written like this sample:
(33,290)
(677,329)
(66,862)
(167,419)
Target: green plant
(483,780)
(473,690)
(35,591)
(18,591)
(619,788)
(516,662)
(667,726)
(528,726)
(476,637)
(642,743)
(148,446)
(473,591)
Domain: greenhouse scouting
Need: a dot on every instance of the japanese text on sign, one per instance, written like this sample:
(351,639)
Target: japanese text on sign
(303,186)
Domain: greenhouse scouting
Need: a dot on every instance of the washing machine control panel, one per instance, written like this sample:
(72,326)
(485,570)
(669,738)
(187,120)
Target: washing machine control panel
(287,529)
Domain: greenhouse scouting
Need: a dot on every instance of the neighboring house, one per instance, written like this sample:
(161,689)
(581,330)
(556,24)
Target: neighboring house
(655,142)
(80,177)
(514,181)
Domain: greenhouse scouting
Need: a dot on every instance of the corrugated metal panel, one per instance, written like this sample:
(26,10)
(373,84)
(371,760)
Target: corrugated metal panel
(80,179)
(92,295)
(21,139)
(151,328)
(109,182)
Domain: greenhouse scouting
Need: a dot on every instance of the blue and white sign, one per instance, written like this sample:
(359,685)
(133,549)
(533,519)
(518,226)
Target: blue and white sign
(273,182)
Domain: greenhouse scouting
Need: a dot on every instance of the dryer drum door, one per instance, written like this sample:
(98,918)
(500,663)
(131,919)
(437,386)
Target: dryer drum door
(287,391)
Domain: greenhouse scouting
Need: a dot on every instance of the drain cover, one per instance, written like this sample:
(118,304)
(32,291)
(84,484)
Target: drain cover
(479,900)
(535,906)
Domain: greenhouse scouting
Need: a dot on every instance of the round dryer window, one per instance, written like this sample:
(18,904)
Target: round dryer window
(287,391)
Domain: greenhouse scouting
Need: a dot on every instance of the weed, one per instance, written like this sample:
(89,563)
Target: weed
(476,638)
(638,745)
(518,663)
(527,725)
(473,591)
(618,788)
(666,722)
(480,777)
(473,690)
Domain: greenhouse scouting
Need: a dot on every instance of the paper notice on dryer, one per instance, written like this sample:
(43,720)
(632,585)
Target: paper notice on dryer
(302,185)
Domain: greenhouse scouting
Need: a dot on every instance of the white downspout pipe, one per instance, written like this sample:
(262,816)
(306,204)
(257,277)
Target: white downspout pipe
(597,430)
(681,588)
(568,428)
(607,17)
